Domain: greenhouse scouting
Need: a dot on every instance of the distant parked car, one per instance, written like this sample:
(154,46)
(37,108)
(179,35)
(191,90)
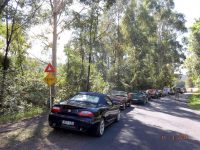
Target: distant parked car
(86,111)
(172,92)
(180,90)
(152,93)
(120,97)
(138,97)
(183,90)
(168,91)
(159,93)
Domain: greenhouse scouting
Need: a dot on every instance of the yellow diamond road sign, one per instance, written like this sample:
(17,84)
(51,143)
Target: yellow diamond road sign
(50,79)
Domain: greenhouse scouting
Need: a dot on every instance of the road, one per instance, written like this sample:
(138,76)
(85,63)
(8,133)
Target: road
(163,124)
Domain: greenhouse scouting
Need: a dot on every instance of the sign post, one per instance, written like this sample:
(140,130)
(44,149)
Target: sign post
(50,98)
(50,79)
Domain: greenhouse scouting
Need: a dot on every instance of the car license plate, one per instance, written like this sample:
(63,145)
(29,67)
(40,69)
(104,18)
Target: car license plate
(69,123)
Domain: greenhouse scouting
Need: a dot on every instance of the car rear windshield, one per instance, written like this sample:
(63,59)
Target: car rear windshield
(85,98)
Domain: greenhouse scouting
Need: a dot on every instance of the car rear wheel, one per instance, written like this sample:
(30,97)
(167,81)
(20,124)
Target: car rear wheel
(100,128)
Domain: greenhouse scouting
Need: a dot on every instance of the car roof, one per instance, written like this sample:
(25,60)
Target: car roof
(100,95)
(93,94)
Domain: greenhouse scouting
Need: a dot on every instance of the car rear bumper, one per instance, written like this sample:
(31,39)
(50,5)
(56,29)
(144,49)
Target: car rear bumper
(80,124)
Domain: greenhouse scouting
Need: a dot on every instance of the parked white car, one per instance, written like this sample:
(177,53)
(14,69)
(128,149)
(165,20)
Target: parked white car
(166,91)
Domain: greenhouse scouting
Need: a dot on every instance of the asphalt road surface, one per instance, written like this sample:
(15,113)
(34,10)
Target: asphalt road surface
(163,124)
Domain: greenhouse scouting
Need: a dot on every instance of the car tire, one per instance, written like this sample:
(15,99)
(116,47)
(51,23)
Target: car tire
(100,128)
(118,116)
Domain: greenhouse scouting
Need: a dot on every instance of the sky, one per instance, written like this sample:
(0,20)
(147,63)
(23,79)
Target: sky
(190,8)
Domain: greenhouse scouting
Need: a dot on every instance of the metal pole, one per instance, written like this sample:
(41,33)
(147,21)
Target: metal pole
(50,99)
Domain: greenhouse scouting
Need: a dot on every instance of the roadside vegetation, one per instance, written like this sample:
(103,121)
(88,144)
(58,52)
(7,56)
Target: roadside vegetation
(194,101)
(17,116)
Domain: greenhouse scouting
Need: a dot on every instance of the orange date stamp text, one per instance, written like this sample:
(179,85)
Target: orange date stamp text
(178,137)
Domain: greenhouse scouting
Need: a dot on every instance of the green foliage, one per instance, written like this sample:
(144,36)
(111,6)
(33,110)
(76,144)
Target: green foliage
(24,91)
(193,61)
(140,49)
(97,82)
(153,52)
(194,101)
(17,116)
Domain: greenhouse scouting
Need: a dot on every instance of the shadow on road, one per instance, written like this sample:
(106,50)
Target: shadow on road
(171,107)
(35,134)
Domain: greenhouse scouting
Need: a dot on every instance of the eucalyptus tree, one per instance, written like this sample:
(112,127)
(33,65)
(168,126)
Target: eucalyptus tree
(104,45)
(95,10)
(193,61)
(77,50)
(170,25)
(59,10)
(151,29)
(138,28)
(55,14)
(115,46)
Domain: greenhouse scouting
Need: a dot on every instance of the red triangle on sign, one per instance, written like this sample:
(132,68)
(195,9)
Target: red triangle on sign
(50,68)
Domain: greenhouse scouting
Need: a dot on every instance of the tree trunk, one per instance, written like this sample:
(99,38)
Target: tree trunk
(82,87)
(90,53)
(54,47)
(92,41)
(88,77)
(6,60)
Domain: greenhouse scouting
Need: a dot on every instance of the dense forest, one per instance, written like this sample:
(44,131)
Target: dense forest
(123,44)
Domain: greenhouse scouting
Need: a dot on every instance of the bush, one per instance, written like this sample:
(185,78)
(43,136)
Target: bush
(23,92)
(194,101)
(28,113)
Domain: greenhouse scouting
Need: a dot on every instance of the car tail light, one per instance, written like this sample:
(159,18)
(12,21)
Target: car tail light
(86,114)
(55,109)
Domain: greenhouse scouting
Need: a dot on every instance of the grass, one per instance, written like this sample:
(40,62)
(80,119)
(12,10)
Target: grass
(13,117)
(194,101)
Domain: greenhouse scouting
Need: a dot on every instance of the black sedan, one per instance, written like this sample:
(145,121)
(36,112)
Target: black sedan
(86,111)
